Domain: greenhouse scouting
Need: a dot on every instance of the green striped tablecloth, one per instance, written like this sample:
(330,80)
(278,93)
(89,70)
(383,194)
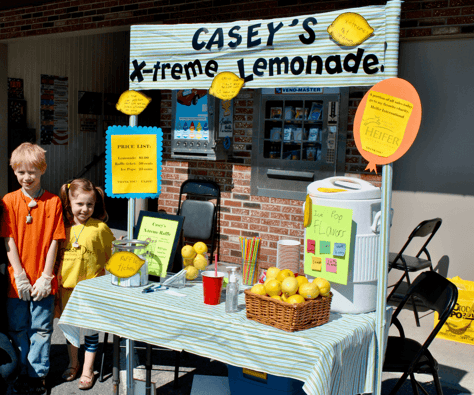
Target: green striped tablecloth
(335,358)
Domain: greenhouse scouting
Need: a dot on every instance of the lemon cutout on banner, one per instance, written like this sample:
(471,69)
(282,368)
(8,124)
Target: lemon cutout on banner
(308,207)
(350,29)
(226,85)
(132,102)
(387,121)
(124,264)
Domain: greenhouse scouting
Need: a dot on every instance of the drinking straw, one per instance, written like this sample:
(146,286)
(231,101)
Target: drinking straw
(215,267)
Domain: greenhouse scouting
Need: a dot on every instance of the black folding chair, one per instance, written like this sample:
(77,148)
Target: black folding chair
(201,212)
(407,264)
(407,356)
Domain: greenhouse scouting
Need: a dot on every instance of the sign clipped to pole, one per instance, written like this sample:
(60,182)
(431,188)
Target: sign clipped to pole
(133,154)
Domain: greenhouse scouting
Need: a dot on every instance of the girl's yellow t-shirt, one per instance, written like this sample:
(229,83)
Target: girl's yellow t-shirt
(89,259)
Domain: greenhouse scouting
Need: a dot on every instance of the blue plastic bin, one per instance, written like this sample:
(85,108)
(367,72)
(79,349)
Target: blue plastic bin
(245,381)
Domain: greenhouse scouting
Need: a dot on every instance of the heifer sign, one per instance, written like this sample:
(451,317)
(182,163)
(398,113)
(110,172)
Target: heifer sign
(284,52)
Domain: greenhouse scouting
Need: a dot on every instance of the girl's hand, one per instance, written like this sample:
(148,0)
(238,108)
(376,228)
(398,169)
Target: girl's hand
(42,287)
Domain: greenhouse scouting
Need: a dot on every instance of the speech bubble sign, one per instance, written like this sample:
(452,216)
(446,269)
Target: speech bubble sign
(387,121)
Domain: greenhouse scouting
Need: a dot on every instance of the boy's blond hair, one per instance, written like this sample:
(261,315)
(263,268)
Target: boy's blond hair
(28,153)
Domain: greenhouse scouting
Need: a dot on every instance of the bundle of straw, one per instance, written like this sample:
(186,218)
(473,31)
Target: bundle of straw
(249,249)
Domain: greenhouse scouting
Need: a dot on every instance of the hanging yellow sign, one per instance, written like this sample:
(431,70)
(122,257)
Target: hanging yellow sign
(124,264)
(132,102)
(350,29)
(226,85)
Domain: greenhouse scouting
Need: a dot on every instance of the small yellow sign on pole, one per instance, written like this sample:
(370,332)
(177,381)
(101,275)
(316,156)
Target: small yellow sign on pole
(132,102)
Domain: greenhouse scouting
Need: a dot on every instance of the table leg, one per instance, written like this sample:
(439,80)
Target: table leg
(116,366)
(148,366)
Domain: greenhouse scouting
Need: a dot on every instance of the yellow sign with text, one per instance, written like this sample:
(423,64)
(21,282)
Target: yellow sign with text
(134,163)
(384,123)
(132,102)
(226,85)
(124,264)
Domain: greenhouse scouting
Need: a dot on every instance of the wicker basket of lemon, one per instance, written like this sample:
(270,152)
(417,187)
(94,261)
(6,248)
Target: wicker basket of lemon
(289,303)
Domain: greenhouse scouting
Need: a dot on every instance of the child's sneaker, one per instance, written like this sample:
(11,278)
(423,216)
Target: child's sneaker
(37,386)
(21,386)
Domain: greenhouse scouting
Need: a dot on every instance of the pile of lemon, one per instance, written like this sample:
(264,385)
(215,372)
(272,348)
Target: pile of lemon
(194,259)
(285,286)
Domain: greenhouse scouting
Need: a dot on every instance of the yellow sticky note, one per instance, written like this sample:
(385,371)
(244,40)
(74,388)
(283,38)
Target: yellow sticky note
(132,102)
(226,85)
(316,264)
(383,123)
(134,168)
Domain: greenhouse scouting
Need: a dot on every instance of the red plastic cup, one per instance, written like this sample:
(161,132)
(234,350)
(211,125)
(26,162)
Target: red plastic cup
(212,286)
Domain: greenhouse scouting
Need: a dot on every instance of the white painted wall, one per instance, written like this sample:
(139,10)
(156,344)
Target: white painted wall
(3,119)
(93,63)
(436,176)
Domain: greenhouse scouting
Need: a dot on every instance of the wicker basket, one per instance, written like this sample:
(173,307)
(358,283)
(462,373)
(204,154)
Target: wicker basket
(289,317)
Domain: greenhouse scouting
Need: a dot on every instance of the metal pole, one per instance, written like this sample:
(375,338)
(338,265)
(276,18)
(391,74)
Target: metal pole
(130,344)
(382,273)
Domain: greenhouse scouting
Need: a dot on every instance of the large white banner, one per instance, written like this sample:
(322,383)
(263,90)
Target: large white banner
(283,52)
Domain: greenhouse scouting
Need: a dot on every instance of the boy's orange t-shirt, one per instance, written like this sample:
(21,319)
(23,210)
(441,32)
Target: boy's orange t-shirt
(32,240)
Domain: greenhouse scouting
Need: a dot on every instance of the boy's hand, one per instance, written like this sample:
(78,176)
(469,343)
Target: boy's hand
(23,286)
(42,287)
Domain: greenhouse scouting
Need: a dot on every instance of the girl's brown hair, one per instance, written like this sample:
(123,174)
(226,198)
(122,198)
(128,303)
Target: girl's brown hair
(74,188)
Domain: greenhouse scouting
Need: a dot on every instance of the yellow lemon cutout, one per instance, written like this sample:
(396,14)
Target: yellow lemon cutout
(124,264)
(226,85)
(308,208)
(132,102)
(350,29)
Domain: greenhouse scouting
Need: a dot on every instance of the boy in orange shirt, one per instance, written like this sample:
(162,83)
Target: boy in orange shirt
(32,227)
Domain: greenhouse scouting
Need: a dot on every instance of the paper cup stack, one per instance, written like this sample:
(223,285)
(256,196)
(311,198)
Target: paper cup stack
(288,255)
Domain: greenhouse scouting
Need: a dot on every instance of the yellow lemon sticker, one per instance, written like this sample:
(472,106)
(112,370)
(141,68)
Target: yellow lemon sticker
(124,264)
(383,124)
(226,85)
(331,190)
(132,102)
(350,29)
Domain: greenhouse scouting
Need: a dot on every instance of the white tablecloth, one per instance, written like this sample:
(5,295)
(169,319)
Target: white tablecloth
(335,358)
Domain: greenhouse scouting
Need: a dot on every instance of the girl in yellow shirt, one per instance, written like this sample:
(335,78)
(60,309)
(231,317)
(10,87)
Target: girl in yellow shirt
(82,256)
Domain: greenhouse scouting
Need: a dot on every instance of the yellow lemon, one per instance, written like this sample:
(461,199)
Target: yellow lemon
(187,261)
(200,247)
(273,287)
(191,272)
(124,264)
(188,252)
(258,289)
(226,85)
(272,272)
(200,262)
(323,285)
(294,299)
(301,280)
(283,274)
(308,290)
(289,286)
(277,297)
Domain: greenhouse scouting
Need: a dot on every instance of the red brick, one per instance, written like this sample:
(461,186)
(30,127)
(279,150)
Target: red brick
(271,207)
(417,14)
(281,231)
(232,203)
(446,12)
(461,20)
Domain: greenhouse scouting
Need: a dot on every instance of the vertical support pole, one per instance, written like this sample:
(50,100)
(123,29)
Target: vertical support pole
(382,273)
(130,344)
(116,366)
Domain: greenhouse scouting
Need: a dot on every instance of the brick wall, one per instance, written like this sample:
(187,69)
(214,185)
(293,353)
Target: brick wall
(242,214)
(420,18)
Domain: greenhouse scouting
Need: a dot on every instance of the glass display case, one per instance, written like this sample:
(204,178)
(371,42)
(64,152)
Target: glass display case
(299,137)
